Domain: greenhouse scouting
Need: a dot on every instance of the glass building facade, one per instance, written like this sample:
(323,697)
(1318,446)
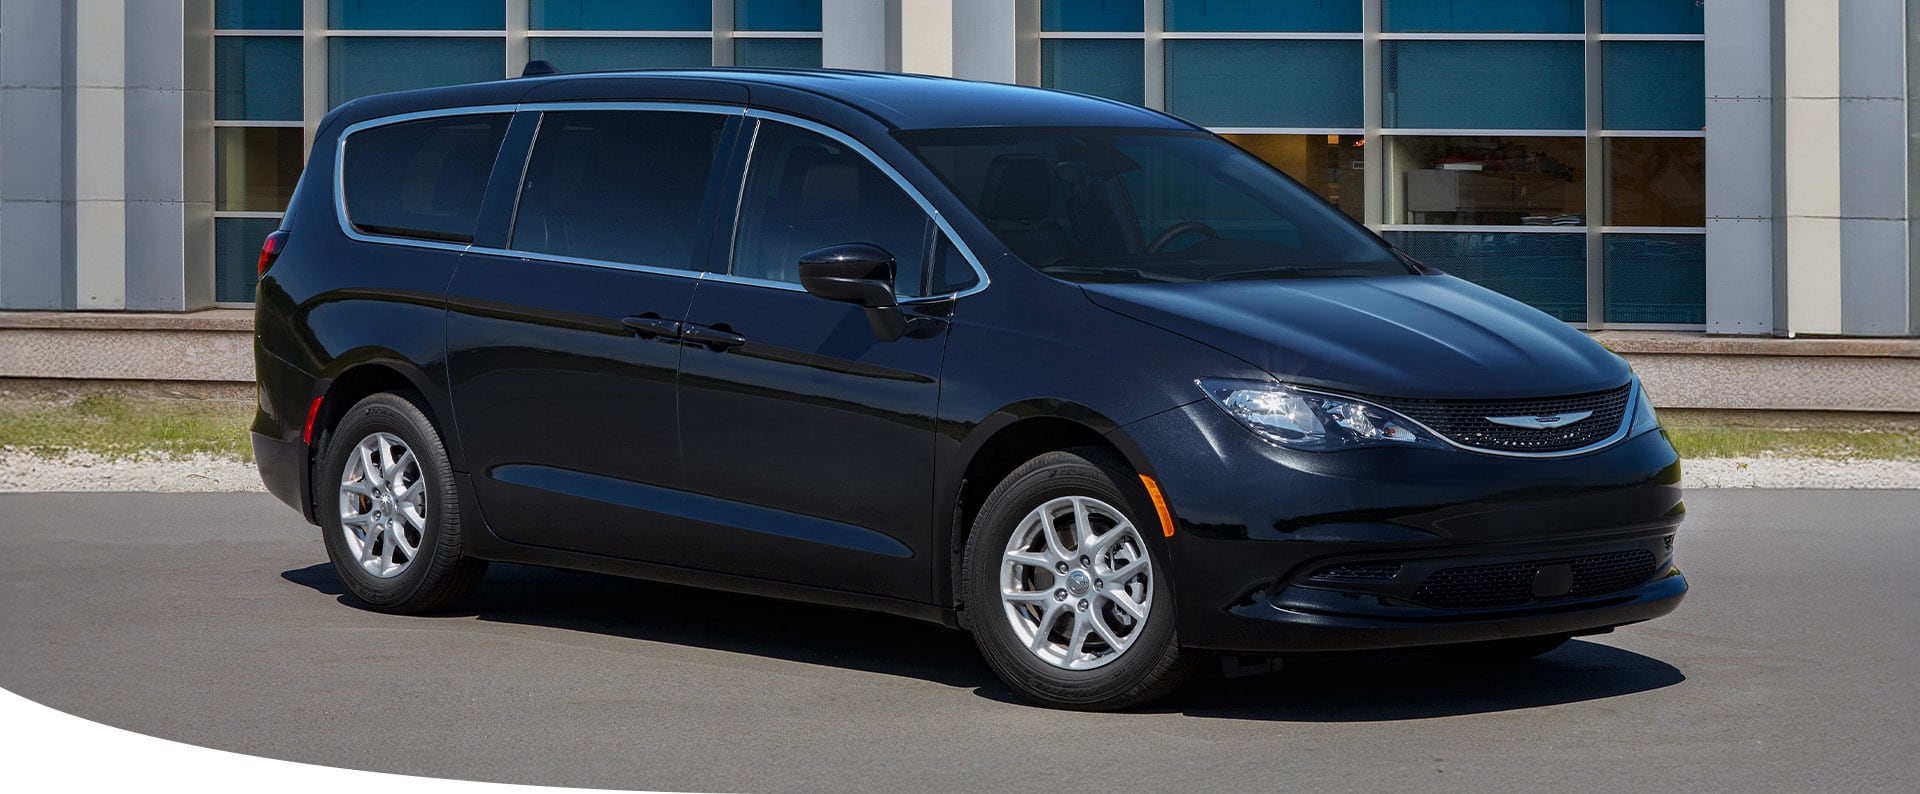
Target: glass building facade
(1550,149)
(266,104)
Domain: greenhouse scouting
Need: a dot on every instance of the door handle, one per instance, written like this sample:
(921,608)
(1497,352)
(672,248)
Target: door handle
(647,327)
(716,338)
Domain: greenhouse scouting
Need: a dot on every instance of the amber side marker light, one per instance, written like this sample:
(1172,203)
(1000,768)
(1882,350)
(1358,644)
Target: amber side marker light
(1159,504)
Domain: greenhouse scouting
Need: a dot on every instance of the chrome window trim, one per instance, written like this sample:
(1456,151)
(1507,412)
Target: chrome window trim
(1619,433)
(926,206)
(340,171)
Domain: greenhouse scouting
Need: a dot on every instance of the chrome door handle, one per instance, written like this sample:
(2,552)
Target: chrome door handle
(649,327)
(718,339)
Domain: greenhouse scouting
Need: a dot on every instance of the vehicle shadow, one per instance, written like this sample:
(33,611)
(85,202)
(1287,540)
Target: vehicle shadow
(1343,688)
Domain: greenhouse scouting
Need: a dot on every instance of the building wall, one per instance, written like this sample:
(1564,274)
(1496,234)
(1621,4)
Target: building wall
(1740,166)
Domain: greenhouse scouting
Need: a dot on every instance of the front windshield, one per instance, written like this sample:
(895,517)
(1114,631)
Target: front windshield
(1104,204)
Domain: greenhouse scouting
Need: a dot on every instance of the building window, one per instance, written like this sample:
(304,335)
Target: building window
(1228,83)
(1547,270)
(619,15)
(1492,85)
(596,54)
(259,141)
(1486,180)
(1329,165)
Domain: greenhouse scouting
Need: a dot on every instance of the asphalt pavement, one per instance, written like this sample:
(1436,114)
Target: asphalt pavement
(213,619)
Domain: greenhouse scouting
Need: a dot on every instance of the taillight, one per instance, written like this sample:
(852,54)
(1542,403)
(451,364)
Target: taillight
(270,250)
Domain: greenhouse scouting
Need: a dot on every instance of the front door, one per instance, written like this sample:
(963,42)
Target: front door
(807,440)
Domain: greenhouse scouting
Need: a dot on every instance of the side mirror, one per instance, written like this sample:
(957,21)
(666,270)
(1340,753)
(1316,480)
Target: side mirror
(858,273)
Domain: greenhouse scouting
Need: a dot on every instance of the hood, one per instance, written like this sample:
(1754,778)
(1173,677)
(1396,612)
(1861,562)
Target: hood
(1389,336)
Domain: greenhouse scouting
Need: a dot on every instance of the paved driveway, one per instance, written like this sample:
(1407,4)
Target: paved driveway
(212,619)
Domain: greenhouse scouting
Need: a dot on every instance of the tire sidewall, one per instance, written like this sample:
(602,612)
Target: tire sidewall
(1046,478)
(392,414)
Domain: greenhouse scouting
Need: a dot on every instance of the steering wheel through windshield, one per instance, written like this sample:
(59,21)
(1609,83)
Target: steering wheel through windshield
(1174,232)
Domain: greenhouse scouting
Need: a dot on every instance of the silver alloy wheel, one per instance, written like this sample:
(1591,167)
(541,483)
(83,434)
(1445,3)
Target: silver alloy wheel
(1076,583)
(383,505)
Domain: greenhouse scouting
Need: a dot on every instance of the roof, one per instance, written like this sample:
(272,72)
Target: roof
(905,101)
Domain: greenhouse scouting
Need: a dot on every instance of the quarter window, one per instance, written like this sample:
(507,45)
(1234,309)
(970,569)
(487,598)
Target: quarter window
(421,179)
(805,191)
(619,186)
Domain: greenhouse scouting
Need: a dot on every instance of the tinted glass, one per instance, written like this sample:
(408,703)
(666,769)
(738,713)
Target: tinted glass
(807,191)
(256,78)
(1088,204)
(1120,15)
(775,14)
(777,53)
(1546,270)
(618,186)
(594,55)
(362,65)
(1329,165)
(256,14)
(1485,85)
(620,15)
(1483,16)
(416,14)
(1656,182)
(1653,16)
(1486,180)
(422,178)
(1257,15)
(236,256)
(1115,69)
(1228,83)
(1654,85)
(255,168)
(1656,278)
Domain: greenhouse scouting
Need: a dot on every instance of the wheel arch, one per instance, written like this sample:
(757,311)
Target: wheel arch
(361,374)
(996,446)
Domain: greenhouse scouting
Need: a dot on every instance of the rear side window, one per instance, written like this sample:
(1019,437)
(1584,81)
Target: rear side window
(618,186)
(422,179)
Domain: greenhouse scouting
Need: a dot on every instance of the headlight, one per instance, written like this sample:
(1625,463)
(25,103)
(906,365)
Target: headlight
(1299,419)
(1643,418)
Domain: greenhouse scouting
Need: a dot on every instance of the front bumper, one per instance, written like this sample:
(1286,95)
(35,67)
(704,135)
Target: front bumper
(1530,546)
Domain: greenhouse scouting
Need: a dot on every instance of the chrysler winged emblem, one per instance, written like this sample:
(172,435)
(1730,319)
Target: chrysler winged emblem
(1547,422)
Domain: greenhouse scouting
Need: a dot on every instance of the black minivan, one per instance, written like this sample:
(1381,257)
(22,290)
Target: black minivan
(1079,377)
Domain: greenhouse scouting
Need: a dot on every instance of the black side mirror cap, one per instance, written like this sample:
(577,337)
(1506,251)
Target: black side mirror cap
(857,273)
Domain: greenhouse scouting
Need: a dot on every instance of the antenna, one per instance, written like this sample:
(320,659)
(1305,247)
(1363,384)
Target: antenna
(538,69)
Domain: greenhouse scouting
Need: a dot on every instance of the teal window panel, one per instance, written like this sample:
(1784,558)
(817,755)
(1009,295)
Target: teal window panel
(358,66)
(416,14)
(1112,68)
(1483,16)
(777,53)
(236,256)
(1310,16)
(776,14)
(256,14)
(1652,16)
(1125,16)
(256,78)
(620,15)
(1547,271)
(1656,278)
(1231,83)
(1653,85)
(596,55)
(1485,85)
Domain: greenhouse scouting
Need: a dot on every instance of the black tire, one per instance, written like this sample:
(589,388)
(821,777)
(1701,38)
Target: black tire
(1503,651)
(439,574)
(1153,663)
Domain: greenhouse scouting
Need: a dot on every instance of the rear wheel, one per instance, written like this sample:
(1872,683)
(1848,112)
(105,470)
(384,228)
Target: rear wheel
(1062,589)
(389,509)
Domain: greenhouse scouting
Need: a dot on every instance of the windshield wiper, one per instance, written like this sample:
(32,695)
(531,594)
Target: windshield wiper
(1110,272)
(1282,271)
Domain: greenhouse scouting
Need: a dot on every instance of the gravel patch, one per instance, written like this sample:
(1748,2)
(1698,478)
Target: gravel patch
(77,470)
(152,472)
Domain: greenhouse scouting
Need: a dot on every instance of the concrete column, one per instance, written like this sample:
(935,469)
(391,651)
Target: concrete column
(986,36)
(853,34)
(100,161)
(920,36)
(1741,158)
(1809,203)
(36,195)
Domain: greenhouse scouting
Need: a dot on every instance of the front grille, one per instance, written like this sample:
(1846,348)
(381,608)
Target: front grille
(1362,571)
(1511,583)
(1465,421)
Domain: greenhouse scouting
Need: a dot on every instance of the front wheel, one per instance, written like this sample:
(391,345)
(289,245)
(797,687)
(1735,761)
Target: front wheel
(1064,590)
(390,511)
